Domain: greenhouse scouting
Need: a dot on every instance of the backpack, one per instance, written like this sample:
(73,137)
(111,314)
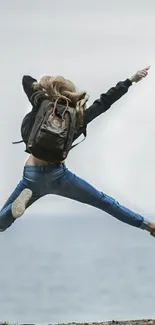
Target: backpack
(26,127)
(50,132)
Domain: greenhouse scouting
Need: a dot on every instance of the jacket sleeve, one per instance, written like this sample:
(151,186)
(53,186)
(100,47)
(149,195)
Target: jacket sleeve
(27,83)
(102,104)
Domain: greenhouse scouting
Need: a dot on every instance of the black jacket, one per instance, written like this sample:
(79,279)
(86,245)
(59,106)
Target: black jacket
(99,106)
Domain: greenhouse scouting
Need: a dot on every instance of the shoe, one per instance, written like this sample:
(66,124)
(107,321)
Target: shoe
(19,205)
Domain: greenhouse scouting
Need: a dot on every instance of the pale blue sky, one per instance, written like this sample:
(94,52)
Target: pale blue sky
(95,44)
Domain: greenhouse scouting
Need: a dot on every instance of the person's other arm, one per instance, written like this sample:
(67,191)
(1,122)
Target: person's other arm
(27,83)
(107,99)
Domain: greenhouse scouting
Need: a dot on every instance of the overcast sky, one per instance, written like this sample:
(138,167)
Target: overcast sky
(95,44)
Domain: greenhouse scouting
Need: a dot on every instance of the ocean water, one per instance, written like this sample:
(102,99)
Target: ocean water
(75,268)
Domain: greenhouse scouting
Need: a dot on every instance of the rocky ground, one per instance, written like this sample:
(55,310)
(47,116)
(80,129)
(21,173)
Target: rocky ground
(130,322)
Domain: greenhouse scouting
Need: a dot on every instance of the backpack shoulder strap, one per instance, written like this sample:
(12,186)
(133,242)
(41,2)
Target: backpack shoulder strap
(16,142)
(76,144)
(73,114)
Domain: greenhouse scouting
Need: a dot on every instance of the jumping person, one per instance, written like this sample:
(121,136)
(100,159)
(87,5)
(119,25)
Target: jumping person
(42,176)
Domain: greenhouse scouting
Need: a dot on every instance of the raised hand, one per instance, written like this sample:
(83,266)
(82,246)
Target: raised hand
(139,75)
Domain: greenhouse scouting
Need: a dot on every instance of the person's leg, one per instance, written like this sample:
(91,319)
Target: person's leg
(8,211)
(28,190)
(75,188)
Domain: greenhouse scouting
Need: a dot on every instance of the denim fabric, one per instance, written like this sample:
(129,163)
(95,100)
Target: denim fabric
(43,180)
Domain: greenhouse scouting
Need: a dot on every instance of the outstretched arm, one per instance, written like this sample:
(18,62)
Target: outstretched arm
(102,104)
(105,101)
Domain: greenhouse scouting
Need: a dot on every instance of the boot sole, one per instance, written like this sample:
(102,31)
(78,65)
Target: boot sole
(19,205)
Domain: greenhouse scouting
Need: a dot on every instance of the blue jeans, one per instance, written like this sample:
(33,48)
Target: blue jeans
(43,180)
